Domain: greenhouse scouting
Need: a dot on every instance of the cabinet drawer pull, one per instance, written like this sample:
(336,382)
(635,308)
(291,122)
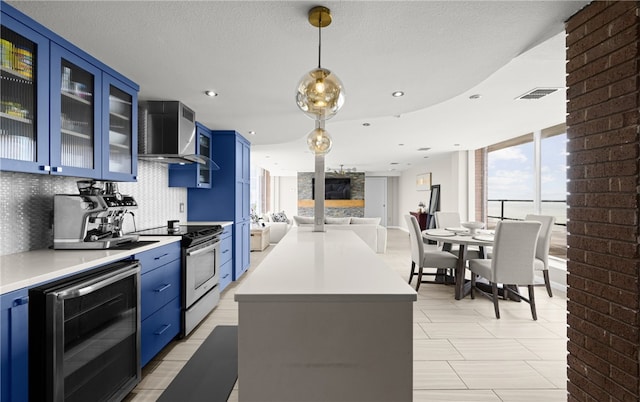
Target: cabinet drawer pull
(162,288)
(226,250)
(225,276)
(162,330)
(161,256)
(21,301)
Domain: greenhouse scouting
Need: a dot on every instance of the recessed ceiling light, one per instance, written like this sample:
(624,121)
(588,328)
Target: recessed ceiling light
(424,149)
(366,124)
(211,93)
(252,132)
(267,157)
(475,96)
(394,163)
(397,94)
(401,145)
(456,145)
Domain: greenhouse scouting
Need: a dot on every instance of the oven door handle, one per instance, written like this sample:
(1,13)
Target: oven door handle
(203,250)
(98,283)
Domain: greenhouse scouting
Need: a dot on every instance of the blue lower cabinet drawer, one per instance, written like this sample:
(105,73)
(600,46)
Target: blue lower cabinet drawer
(226,249)
(158,287)
(225,274)
(158,256)
(159,329)
(226,231)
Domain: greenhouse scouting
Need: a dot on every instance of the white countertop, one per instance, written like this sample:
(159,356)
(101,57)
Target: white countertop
(335,265)
(221,223)
(30,268)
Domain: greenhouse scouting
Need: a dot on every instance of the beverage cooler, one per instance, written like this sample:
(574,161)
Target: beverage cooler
(84,336)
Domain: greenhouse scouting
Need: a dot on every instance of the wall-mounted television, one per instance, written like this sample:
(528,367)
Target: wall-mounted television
(335,188)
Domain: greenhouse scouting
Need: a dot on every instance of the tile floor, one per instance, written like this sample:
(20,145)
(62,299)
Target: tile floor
(461,351)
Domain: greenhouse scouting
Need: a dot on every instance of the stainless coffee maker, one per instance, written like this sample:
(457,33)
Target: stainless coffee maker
(92,219)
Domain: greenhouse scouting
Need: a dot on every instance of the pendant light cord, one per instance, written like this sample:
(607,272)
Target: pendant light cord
(319,38)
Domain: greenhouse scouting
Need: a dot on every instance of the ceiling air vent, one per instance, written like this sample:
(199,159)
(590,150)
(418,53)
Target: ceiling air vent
(537,93)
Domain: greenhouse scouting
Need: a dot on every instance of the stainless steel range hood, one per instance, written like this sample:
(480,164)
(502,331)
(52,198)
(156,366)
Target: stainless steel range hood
(167,133)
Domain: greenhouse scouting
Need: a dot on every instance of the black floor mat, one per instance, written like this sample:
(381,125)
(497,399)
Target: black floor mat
(212,371)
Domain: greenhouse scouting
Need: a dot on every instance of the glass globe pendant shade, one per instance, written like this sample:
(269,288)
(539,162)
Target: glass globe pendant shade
(319,141)
(320,94)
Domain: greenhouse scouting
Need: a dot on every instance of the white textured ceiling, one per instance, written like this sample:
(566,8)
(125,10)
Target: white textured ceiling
(253,54)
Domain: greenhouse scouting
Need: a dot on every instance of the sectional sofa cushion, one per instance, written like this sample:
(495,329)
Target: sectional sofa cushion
(303,220)
(337,221)
(365,221)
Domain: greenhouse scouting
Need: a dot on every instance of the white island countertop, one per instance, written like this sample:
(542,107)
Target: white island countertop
(30,268)
(335,265)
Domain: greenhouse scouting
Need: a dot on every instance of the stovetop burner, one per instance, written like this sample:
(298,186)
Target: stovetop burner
(191,234)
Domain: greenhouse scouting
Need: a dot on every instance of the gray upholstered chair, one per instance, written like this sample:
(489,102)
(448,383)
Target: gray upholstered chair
(452,220)
(421,258)
(512,262)
(542,248)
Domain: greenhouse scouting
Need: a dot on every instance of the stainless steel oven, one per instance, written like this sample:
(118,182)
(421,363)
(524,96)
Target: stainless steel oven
(200,281)
(200,269)
(84,335)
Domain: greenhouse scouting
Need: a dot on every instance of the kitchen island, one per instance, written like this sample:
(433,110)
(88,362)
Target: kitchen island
(324,318)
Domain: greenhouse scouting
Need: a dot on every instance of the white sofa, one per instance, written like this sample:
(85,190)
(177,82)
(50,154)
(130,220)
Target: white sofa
(368,229)
(277,229)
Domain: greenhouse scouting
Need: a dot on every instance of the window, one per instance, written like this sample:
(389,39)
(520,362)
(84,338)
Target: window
(510,178)
(260,192)
(528,175)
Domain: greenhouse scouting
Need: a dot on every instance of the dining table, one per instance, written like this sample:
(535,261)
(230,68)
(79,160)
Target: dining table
(463,238)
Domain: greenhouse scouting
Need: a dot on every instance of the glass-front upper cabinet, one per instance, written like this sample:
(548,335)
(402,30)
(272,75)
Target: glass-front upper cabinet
(204,149)
(24,67)
(195,175)
(119,130)
(75,115)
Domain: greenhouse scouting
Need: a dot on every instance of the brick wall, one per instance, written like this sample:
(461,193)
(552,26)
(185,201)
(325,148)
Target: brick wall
(603,130)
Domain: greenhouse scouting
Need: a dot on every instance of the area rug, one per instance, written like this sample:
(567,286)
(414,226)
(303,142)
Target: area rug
(212,371)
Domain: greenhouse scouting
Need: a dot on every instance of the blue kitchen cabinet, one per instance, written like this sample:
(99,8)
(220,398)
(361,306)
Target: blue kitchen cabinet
(75,147)
(14,346)
(195,175)
(160,298)
(24,95)
(119,130)
(56,113)
(226,257)
(228,198)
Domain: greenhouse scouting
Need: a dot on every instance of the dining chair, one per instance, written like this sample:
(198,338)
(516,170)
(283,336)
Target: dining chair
(421,258)
(452,220)
(542,247)
(512,262)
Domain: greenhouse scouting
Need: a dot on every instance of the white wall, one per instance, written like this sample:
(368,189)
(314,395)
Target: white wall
(285,195)
(450,171)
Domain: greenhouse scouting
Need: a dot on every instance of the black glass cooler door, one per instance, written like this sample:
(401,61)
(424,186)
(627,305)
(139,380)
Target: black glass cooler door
(92,346)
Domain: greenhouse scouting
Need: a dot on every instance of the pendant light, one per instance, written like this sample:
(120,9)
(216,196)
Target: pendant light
(319,140)
(319,93)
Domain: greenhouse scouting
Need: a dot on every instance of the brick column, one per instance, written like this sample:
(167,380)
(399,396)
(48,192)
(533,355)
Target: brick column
(603,132)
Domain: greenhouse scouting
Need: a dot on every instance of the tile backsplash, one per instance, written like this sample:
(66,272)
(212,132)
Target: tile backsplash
(26,205)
